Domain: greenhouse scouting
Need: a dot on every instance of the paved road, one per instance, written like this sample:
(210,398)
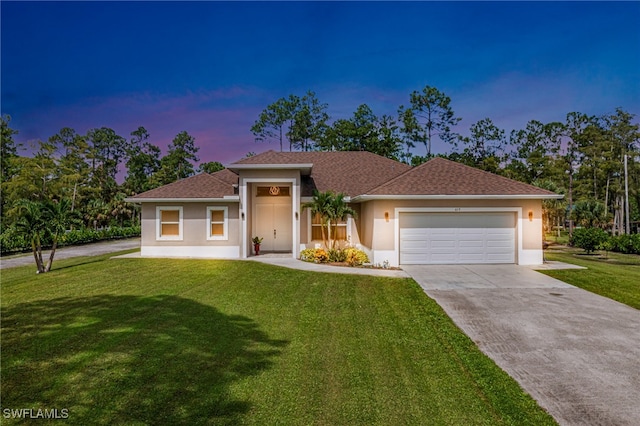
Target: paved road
(75,251)
(576,353)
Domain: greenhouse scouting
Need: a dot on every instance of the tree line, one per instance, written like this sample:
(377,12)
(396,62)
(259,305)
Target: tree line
(582,157)
(84,169)
(70,182)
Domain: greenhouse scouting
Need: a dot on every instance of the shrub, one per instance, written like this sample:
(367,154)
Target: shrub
(628,244)
(337,255)
(321,256)
(355,257)
(588,239)
(314,255)
(352,256)
(308,255)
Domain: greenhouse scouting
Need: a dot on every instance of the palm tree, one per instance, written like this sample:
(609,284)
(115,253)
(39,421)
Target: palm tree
(320,205)
(60,217)
(32,224)
(332,209)
(40,220)
(339,211)
(590,213)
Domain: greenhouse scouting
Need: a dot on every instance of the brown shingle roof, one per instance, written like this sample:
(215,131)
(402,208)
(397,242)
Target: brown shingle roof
(439,176)
(350,172)
(227,176)
(357,173)
(203,185)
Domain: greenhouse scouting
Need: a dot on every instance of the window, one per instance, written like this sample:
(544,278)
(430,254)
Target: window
(169,223)
(338,231)
(217,223)
(272,191)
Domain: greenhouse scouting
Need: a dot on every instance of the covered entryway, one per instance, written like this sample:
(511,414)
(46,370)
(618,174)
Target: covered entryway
(457,238)
(272,217)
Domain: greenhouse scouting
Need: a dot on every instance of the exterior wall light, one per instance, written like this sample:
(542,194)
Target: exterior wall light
(530,215)
(386,216)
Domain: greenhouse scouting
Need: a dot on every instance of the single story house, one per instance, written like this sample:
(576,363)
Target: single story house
(439,212)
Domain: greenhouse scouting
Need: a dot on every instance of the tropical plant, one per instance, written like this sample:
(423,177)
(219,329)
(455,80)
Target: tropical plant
(355,257)
(320,205)
(60,217)
(332,209)
(44,221)
(32,226)
(590,213)
(338,211)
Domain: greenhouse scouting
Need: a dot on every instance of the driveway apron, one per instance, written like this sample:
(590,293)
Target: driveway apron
(576,353)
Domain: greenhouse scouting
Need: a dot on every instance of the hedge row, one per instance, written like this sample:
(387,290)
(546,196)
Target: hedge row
(591,239)
(11,242)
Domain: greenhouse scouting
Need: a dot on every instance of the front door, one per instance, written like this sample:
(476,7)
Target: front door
(274,226)
(272,218)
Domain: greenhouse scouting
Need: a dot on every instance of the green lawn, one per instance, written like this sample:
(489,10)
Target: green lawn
(149,341)
(613,275)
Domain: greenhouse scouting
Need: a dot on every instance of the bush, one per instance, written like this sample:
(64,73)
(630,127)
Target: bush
(308,255)
(352,256)
(628,244)
(337,255)
(321,256)
(588,239)
(356,257)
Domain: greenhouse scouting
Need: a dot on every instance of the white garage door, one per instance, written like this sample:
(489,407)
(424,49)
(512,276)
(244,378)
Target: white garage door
(440,238)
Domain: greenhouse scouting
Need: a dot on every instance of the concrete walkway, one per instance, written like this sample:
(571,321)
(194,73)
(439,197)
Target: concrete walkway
(576,353)
(94,249)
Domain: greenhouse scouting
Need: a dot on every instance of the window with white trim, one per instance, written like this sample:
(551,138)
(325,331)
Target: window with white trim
(169,223)
(218,223)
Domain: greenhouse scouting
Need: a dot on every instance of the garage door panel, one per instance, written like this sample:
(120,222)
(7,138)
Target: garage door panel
(442,244)
(471,244)
(470,258)
(457,238)
(499,244)
(443,258)
(413,244)
(500,258)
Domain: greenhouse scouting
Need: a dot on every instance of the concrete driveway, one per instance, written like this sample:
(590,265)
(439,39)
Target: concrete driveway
(576,353)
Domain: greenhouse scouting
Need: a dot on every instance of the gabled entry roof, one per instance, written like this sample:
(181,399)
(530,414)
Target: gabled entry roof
(349,172)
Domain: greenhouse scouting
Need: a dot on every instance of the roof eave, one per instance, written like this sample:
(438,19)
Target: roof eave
(226,198)
(366,197)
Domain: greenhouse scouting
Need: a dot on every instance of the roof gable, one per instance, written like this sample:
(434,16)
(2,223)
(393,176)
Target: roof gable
(439,176)
(203,185)
(227,176)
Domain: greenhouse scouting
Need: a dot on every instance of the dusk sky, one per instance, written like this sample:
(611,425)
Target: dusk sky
(210,68)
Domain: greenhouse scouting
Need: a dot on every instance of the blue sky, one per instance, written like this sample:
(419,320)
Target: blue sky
(210,68)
